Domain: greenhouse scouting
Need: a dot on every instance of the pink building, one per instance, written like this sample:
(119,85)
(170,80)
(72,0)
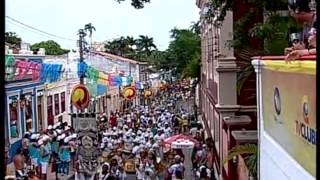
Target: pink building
(228,118)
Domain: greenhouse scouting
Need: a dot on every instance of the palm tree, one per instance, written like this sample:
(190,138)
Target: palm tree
(251,160)
(89,27)
(195,27)
(145,44)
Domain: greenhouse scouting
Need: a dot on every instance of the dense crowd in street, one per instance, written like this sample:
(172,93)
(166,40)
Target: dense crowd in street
(131,141)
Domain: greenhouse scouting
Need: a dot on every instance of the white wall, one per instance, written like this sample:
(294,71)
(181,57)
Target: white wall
(275,163)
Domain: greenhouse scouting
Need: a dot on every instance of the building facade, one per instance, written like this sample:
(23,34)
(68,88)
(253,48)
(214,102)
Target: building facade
(226,120)
(24,101)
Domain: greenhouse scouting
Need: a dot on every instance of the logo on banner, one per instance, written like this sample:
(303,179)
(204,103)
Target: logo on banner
(277,105)
(80,96)
(303,127)
(129,93)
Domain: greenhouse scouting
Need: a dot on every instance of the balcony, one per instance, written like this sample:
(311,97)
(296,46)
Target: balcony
(286,98)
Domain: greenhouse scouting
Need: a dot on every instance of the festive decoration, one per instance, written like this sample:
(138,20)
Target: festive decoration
(147,93)
(80,96)
(92,73)
(129,93)
(103,79)
(82,68)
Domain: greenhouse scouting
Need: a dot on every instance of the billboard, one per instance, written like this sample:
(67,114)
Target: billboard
(289,108)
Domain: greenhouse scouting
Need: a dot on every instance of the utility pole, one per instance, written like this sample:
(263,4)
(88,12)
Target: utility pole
(82,34)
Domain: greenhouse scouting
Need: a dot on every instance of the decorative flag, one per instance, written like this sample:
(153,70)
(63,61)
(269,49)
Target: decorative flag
(82,68)
(92,73)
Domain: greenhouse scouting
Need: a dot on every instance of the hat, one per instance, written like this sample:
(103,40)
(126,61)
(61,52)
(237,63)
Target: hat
(33,136)
(40,142)
(46,138)
(74,135)
(49,127)
(177,157)
(66,140)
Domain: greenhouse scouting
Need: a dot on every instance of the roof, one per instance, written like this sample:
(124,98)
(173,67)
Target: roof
(115,57)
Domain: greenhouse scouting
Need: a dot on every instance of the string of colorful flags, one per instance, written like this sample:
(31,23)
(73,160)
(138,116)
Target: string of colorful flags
(19,69)
(95,76)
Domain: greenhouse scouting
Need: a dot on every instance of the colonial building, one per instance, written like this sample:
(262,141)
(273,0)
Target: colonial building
(228,120)
(24,98)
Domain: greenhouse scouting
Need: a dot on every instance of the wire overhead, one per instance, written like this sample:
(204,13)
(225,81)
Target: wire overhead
(36,29)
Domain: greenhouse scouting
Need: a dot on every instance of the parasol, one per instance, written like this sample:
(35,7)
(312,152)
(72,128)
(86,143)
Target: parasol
(180,137)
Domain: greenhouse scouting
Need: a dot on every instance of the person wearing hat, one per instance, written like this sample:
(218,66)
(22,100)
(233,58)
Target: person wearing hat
(105,174)
(176,170)
(44,156)
(34,151)
(25,144)
(64,156)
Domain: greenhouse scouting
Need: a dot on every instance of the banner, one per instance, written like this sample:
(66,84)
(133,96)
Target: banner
(289,108)
(80,96)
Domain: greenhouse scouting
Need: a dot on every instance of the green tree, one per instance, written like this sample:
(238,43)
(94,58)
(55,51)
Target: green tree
(251,154)
(195,27)
(145,44)
(13,38)
(51,47)
(138,4)
(183,48)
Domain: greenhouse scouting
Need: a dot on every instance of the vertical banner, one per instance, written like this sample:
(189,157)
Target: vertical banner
(88,151)
(289,108)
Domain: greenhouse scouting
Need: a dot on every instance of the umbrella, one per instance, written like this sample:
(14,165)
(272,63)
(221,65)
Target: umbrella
(174,138)
(182,144)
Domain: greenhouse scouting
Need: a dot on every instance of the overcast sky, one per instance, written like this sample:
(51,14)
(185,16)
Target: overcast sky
(65,17)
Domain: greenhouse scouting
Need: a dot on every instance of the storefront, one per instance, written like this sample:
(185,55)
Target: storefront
(21,103)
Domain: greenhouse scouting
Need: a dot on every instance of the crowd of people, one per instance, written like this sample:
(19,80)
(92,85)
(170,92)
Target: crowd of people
(56,145)
(130,142)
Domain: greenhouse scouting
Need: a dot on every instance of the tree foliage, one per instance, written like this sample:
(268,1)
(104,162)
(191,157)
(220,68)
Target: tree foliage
(51,47)
(183,48)
(245,149)
(138,4)
(183,51)
(13,38)
(130,47)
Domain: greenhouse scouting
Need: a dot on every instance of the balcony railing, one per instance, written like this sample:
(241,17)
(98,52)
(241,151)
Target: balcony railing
(286,98)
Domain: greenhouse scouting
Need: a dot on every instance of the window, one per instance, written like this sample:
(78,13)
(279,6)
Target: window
(63,102)
(56,104)
(28,112)
(40,119)
(14,122)
(50,110)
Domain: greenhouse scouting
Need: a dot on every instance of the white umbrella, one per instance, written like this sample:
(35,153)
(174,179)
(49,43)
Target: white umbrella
(182,144)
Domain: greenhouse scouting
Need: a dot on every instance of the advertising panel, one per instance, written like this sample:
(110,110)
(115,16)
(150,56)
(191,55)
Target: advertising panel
(289,108)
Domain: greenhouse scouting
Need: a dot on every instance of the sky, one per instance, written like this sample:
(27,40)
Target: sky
(65,17)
